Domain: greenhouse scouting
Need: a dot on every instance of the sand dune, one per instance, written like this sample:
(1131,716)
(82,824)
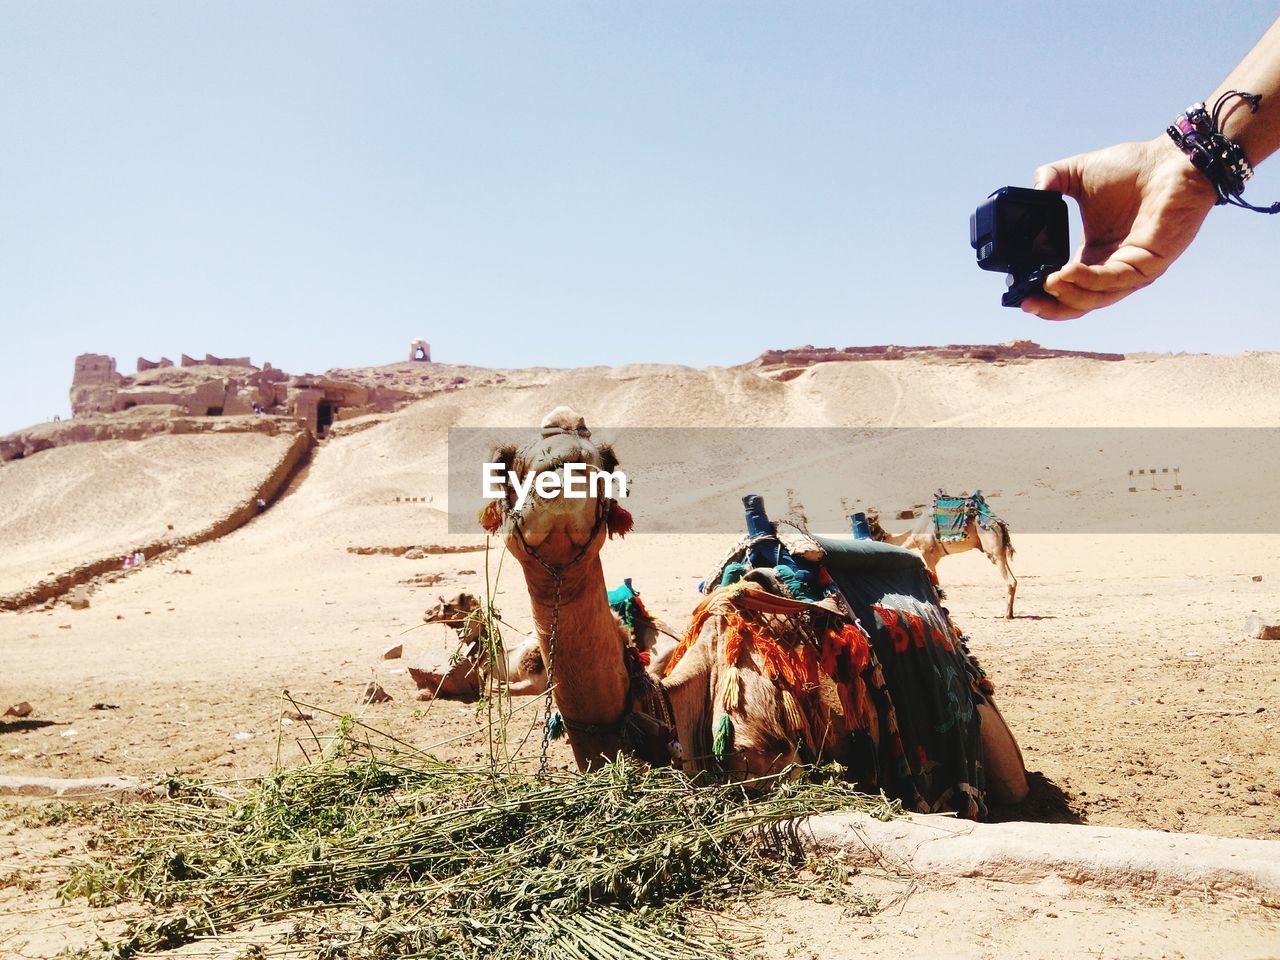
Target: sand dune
(72,505)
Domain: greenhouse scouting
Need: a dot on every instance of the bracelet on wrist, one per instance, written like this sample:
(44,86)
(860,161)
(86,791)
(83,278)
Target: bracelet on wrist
(1199,135)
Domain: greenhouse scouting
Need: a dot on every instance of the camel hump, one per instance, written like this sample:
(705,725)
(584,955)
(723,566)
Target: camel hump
(564,420)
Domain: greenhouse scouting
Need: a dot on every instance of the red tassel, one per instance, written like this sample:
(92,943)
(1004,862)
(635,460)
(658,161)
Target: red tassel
(619,522)
(491,516)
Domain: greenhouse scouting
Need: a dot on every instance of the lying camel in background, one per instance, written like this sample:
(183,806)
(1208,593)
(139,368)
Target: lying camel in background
(525,672)
(993,540)
(725,702)
(465,676)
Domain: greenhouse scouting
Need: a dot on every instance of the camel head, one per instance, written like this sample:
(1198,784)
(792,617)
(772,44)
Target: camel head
(452,611)
(873,524)
(537,513)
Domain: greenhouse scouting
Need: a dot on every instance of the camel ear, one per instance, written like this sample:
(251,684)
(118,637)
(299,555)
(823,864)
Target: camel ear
(608,459)
(505,455)
(494,513)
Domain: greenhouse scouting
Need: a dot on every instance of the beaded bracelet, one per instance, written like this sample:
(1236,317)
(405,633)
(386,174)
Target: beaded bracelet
(1199,135)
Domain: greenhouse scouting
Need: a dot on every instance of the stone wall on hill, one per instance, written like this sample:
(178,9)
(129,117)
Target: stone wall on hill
(808,354)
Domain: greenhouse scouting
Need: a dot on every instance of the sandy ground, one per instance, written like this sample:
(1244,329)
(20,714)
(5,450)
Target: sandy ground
(1128,678)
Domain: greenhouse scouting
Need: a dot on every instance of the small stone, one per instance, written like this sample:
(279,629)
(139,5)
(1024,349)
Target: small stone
(78,599)
(1261,628)
(394,653)
(105,706)
(1256,578)
(374,693)
(297,716)
(19,710)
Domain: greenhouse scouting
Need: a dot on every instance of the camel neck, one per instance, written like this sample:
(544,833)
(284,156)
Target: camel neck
(590,676)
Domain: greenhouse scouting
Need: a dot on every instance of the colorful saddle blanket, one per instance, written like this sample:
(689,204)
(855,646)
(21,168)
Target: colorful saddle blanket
(933,682)
(892,695)
(951,515)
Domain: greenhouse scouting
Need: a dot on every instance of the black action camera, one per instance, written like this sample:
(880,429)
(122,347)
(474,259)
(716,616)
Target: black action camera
(1022,233)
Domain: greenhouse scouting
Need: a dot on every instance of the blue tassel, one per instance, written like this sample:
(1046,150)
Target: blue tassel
(733,573)
(799,582)
(555,726)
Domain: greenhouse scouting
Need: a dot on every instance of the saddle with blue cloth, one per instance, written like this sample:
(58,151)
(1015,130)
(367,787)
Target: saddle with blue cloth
(922,682)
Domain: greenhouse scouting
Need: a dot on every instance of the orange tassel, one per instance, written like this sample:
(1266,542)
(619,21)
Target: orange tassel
(491,516)
(701,614)
(619,521)
(734,636)
(855,642)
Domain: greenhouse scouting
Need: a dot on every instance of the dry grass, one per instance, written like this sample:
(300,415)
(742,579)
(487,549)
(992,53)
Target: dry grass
(378,851)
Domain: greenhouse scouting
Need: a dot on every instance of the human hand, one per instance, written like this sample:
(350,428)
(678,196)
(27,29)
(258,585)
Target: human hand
(1141,203)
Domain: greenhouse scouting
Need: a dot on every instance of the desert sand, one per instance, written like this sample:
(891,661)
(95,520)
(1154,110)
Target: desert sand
(1127,676)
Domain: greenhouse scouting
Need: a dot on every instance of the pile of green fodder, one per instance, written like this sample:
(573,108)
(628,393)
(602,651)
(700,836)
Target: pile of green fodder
(377,852)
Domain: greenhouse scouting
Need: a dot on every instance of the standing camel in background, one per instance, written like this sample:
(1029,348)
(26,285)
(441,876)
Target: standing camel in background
(977,528)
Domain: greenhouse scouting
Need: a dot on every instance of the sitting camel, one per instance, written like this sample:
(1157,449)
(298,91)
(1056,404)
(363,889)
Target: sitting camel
(760,678)
(466,674)
(525,674)
(993,540)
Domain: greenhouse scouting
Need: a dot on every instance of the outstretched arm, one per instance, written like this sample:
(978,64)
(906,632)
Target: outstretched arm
(1143,203)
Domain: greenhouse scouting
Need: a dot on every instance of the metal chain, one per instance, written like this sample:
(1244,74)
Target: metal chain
(551,670)
(557,577)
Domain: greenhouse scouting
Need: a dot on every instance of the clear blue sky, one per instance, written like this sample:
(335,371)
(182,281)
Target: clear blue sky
(572,183)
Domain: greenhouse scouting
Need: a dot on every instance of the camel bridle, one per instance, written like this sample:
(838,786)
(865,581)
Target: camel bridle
(557,572)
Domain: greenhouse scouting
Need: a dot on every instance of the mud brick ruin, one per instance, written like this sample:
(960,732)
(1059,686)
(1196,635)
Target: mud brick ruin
(213,394)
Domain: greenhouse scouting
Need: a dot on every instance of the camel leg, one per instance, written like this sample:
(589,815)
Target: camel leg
(1010,583)
(1002,758)
(996,547)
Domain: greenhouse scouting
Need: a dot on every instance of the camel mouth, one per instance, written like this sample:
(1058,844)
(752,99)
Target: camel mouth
(555,543)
